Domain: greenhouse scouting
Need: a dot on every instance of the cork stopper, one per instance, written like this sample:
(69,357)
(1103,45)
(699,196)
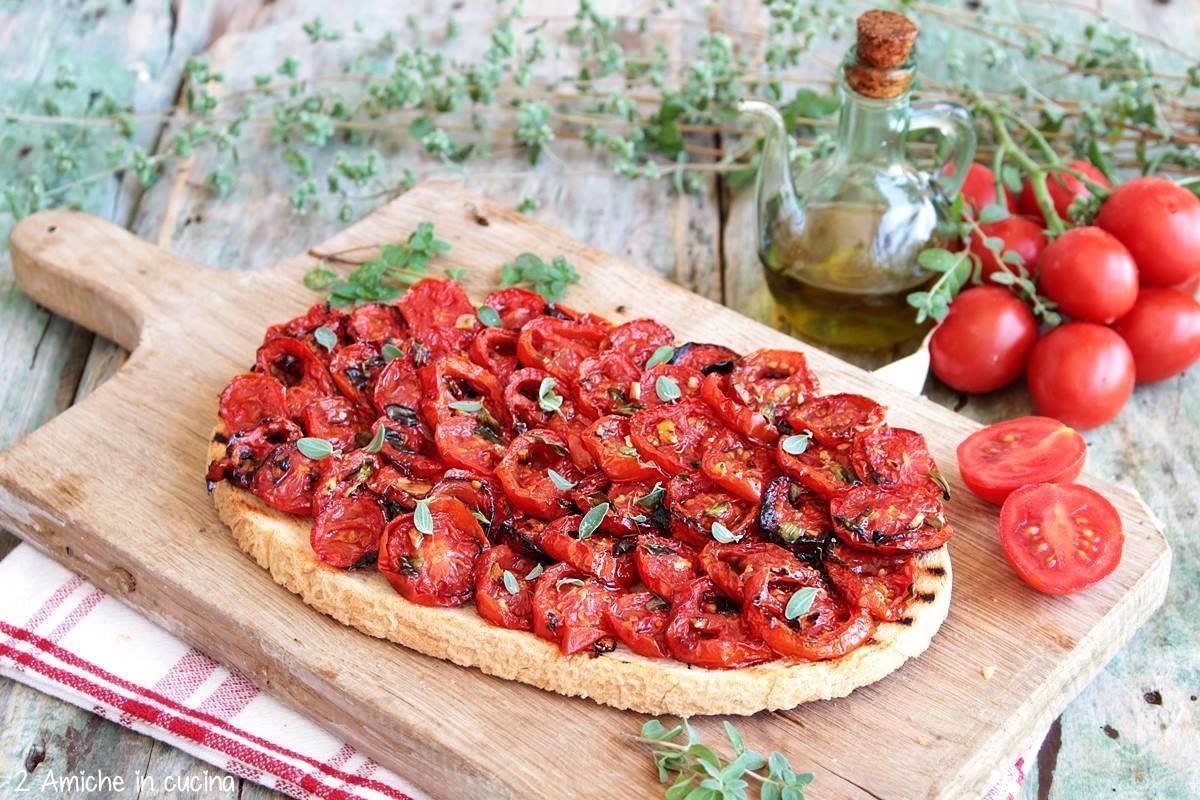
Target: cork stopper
(881,66)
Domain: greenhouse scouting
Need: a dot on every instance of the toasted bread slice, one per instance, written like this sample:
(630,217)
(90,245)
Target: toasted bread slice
(364,600)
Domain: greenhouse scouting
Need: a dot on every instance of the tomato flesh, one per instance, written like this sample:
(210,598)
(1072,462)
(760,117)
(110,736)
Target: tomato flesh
(639,620)
(830,629)
(494,599)
(1060,538)
(706,631)
(999,459)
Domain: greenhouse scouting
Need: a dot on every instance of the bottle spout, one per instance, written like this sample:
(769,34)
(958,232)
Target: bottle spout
(773,185)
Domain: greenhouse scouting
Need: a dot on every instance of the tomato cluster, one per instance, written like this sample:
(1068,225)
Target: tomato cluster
(1127,282)
(594,484)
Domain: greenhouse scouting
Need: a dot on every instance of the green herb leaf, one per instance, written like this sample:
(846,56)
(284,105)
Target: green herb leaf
(489,317)
(567,582)
(653,498)
(796,444)
(510,582)
(592,519)
(735,738)
(467,406)
(800,602)
(548,280)
(667,389)
(456,274)
(723,534)
(560,483)
(660,356)
(535,573)
(315,448)
(320,278)
(376,443)
(422,518)
(548,400)
(390,353)
(325,337)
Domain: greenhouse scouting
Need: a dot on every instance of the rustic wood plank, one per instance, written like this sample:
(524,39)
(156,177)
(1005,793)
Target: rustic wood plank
(1042,648)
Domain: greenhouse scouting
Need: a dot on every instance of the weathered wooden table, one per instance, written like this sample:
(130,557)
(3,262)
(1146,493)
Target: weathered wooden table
(1133,732)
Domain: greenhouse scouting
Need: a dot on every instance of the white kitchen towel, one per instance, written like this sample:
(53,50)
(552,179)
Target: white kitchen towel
(63,636)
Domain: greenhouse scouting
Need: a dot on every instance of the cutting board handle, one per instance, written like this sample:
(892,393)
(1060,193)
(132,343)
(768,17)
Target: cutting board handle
(96,274)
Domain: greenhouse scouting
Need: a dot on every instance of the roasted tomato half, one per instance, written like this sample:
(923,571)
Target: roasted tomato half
(740,467)
(409,447)
(830,628)
(882,583)
(435,568)
(321,315)
(354,369)
(605,557)
(686,379)
(345,530)
(525,473)
(558,346)
(760,391)
(890,519)
(604,384)
(249,448)
(531,407)
(794,515)
(454,386)
(666,564)
(674,435)
(297,366)
(503,590)
(609,442)
(495,349)
(891,456)
(398,385)
(706,630)
(437,303)
(570,609)
(825,470)
(835,419)
(730,565)
(467,443)
(249,399)
(338,420)
(705,358)
(516,306)
(639,621)
(377,323)
(639,338)
(286,480)
(695,504)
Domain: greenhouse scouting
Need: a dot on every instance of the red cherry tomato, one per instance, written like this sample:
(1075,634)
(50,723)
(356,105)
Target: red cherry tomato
(704,358)
(570,610)
(881,583)
(706,630)
(730,565)
(297,366)
(482,495)
(1064,189)
(516,306)
(248,449)
(638,339)
(494,599)
(397,384)
(336,419)
(829,629)
(890,519)
(740,467)
(377,323)
(1187,287)
(665,564)
(1163,333)
(1090,275)
(557,346)
(890,456)
(687,379)
(495,349)
(608,440)
(1081,373)
(761,389)
(604,382)
(249,399)
(979,188)
(345,530)
(674,435)
(639,620)
(696,504)
(524,472)
(1020,235)
(1060,538)
(823,469)
(454,379)
(436,568)
(437,303)
(606,558)
(835,419)
(1159,222)
(984,343)
(466,443)
(320,315)
(794,515)
(285,480)
(997,460)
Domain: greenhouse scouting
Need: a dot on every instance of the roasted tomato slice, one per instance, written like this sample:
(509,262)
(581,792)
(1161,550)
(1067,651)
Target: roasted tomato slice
(377,323)
(516,306)
(354,368)
(397,384)
(297,366)
(891,456)
(495,349)
(569,609)
(639,338)
(503,591)
(524,472)
(665,564)
(731,565)
(794,515)
(523,534)
(639,621)
(607,558)
(249,399)
(481,494)
(529,408)
(321,315)
(437,303)
(398,490)
(891,519)
(344,475)
(345,530)
(336,419)
(825,470)
(879,582)
(436,568)
(835,419)
(249,448)
(558,346)
(739,466)
(830,628)
(706,630)
(696,504)
(466,443)
(605,383)
(687,379)
(628,515)
(608,440)
(705,358)
(453,380)
(674,435)
(761,390)
(286,480)
(409,447)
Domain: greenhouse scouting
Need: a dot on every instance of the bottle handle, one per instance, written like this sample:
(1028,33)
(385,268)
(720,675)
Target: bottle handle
(954,123)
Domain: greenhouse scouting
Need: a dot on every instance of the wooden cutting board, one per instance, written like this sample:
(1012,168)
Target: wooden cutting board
(114,489)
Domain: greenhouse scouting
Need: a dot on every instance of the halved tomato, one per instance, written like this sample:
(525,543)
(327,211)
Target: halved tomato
(760,391)
(794,515)
(687,379)
(524,473)
(893,456)
(338,420)
(825,470)
(558,346)
(997,460)
(706,630)
(603,384)
(297,366)
(345,530)
(467,443)
(495,349)
(248,449)
(608,440)
(397,385)
(1060,537)
(516,306)
(437,303)
(522,396)
(666,564)
(495,599)
(607,558)
(378,323)
(891,519)
(730,565)
(435,568)
(639,621)
(570,609)
(481,494)
(453,380)
(696,504)
(249,399)
(739,466)
(879,582)
(835,419)
(674,435)
(704,358)
(639,338)
(319,315)
(830,628)
(285,480)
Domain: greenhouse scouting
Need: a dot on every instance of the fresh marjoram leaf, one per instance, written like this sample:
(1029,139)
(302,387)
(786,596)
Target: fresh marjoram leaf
(376,443)
(548,280)
(667,389)
(800,603)
(796,444)
(660,356)
(422,518)
(315,448)
(325,337)
(560,483)
(592,519)
(489,317)
(723,534)
(510,582)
